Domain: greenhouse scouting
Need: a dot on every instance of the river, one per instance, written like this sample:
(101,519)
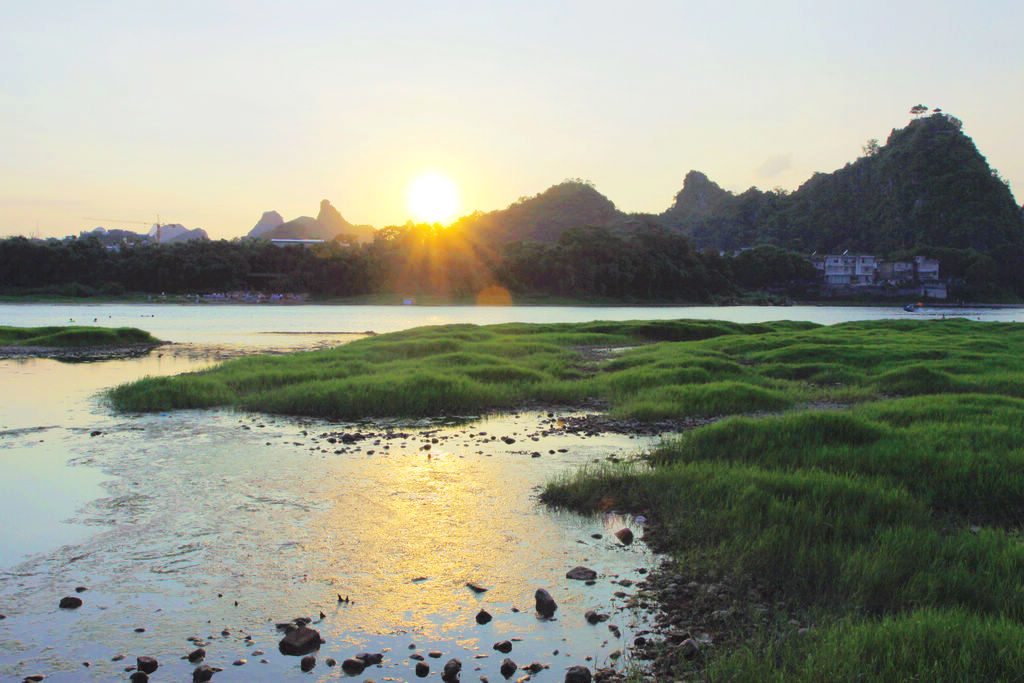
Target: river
(216,524)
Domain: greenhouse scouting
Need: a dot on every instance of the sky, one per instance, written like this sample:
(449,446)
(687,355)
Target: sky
(210,113)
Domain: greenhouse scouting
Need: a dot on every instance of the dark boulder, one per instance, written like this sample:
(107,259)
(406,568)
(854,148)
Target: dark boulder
(624,535)
(370,659)
(70,602)
(578,674)
(139,677)
(581,574)
(483,616)
(203,673)
(546,604)
(508,667)
(300,641)
(307,663)
(422,669)
(197,655)
(353,666)
(451,671)
(147,664)
(504,647)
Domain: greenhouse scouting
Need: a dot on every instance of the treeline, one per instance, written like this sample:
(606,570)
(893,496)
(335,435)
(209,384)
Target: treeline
(587,262)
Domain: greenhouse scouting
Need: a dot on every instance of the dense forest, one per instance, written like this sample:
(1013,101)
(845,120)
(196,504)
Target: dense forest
(413,260)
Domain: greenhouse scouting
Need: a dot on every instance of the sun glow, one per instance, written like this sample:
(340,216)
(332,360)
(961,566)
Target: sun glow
(433,198)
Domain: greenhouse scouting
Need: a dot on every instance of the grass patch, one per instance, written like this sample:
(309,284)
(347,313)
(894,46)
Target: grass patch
(893,524)
(942,645)
(72,337)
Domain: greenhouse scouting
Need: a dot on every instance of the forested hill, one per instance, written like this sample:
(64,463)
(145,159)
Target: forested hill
(543,217)
(927,188)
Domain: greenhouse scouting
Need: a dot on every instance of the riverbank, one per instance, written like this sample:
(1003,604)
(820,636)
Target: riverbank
(859,513)
(748,299)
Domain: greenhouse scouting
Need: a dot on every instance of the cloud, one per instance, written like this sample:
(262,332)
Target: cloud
(774,165)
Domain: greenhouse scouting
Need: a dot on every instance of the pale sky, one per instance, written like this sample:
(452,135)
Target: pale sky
(208,113)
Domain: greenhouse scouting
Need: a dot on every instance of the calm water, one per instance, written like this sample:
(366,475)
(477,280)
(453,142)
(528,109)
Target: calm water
(261,325)
(170,520)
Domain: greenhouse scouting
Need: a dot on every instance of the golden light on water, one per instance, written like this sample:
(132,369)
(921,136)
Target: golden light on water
(433,198)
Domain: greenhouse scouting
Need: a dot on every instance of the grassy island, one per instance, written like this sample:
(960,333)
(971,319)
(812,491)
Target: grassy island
(855,514)
(73,337)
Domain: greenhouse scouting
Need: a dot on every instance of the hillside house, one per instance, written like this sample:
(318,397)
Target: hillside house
(846,269)
(861,274)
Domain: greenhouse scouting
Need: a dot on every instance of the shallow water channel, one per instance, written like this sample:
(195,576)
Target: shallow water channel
(217,524)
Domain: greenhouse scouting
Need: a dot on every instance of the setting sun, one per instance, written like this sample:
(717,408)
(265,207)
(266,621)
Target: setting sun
(433,198)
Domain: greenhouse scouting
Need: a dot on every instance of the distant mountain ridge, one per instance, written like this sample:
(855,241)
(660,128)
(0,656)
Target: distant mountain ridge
(267,222)
(328,225)
(545,216)
(175,232)
(927,187)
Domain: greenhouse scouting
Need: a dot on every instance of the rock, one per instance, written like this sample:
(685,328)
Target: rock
(581,574)
(139,677)
(422,669)
(534,667)
(624,535)
(508,667)
(70,602)
(475,587)
(95,432)
(204,672)
(309,662)
(35,677)
(331,661)
(300,641)
(197,655)
(80,589)
(238,662)
(416,657)
(483,617)
(577,674)
(147,664)
(370,659)
(689,648)
(508,439)
(593,617)
(546,604)
(353,666)
(435,654)
(451,671)
(505,646)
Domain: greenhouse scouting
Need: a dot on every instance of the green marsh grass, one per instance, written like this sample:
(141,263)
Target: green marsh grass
(70,337)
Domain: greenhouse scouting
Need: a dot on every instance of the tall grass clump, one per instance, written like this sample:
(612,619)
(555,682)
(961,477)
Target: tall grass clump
(940,645)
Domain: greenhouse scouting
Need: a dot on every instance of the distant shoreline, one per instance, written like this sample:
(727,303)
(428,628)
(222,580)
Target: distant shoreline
(526,302)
